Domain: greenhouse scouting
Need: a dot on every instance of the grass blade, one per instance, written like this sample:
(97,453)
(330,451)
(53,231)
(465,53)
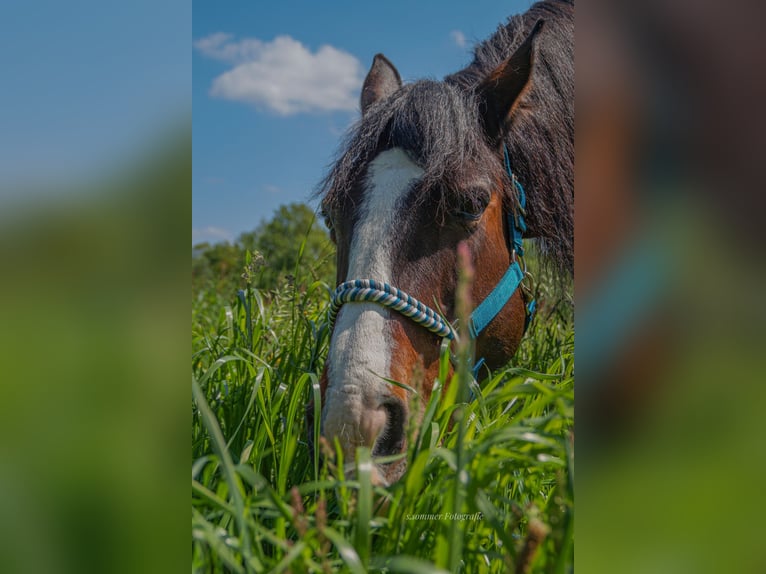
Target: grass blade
(219,445)
(346,551)
(364,504)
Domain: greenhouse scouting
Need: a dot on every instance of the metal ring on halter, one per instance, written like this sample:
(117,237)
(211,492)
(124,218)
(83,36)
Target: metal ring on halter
(523,262)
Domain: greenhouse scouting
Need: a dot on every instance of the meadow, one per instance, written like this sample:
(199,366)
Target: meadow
(489,485)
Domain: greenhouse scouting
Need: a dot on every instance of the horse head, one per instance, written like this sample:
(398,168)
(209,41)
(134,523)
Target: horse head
(423,171)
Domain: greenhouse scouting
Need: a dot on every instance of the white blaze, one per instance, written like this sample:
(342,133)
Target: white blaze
(360,350)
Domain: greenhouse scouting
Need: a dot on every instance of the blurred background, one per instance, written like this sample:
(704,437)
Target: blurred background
(95,218)
(669,281)
(95,205)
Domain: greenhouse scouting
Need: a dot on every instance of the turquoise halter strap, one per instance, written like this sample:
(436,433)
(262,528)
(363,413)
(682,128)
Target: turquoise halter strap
(381,293)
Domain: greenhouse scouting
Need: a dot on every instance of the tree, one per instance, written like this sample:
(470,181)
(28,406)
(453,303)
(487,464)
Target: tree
(279,241)
(216,266)
(276,246)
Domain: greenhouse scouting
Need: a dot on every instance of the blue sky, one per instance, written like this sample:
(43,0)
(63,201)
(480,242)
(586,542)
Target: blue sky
(85,85)
(276,84)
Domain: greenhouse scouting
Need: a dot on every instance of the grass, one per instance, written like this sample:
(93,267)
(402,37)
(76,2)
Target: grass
(491,491)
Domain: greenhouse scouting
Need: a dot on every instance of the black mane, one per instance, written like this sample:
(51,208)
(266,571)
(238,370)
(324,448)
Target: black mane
(437,123)
(541,139)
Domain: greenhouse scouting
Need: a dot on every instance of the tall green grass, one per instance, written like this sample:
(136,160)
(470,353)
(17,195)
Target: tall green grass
(489,485)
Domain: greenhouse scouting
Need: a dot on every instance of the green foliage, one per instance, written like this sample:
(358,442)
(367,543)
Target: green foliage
(216,267)
(275,246)
(490,490)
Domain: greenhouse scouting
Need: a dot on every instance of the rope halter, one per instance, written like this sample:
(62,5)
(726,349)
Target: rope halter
(372,291)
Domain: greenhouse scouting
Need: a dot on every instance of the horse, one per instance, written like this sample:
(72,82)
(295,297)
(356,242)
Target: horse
(428,166)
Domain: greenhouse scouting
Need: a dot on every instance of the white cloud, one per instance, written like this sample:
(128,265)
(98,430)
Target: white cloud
(283,75)
(458,37)
(210,234)
(219,46)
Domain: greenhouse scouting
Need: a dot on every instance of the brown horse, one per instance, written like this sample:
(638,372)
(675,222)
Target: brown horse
(428,166)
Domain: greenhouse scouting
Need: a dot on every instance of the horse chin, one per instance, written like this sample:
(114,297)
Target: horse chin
(392,471)
(383,475)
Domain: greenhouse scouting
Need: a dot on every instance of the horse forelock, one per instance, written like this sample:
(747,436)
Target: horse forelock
(435,123)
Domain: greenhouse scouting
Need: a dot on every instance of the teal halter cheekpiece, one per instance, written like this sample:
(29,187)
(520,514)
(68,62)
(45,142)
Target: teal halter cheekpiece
(381,293)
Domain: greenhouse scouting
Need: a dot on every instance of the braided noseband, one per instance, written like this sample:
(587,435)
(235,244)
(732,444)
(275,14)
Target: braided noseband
(371,291)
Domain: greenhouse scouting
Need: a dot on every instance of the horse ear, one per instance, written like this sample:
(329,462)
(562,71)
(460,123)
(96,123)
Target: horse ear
(499,92)
(382,80)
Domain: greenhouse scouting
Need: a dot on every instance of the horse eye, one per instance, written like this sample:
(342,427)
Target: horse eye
(471,205)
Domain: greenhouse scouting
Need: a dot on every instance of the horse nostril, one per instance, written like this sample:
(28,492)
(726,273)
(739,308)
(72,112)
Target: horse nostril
(391,440)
